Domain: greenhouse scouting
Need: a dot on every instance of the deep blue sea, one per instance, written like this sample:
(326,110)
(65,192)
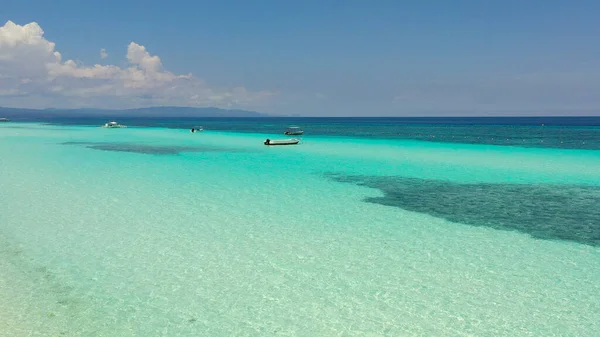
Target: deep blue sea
(551,132)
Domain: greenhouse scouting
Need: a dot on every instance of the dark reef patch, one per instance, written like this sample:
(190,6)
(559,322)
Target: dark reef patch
(544,211)
(149,149)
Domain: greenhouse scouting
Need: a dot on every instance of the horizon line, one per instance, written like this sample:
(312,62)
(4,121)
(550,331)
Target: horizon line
(73,111)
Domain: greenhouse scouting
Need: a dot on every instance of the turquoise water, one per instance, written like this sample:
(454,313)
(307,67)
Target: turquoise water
(160,232)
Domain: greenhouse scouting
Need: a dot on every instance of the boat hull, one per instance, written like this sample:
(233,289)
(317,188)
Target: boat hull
(269,142)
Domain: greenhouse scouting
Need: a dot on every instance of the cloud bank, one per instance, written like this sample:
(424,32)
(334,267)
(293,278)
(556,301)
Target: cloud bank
(34,74)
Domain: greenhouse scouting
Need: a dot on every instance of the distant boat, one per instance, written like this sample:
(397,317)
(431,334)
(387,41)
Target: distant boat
(197,129)
(4,120)
(113,125)
(293,131)
(281,142)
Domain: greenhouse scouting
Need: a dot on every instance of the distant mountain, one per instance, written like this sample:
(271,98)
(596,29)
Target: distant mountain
(166,111)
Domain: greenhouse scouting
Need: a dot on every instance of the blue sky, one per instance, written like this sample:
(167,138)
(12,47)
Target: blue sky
(388,58)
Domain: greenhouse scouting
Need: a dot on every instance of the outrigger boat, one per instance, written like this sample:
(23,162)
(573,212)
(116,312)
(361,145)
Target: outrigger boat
(113,125)
(282,142)
(293,131)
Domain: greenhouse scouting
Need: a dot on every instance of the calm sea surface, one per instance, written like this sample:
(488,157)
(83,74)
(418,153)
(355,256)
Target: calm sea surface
(369,227)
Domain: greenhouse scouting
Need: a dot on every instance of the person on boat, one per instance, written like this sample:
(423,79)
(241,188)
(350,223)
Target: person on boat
(193,130)
(267,142)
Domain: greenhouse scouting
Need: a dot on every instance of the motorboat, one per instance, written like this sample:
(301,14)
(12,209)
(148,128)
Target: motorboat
(4,120)
(293,131)
(112,125)
(197,129)
(292,141)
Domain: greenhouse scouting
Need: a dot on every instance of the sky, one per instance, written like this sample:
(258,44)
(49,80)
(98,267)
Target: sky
(309,58)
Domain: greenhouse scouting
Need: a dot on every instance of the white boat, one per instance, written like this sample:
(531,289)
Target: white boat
(293,131)
(292,141)
(4,120)
(111,125)
(197,129)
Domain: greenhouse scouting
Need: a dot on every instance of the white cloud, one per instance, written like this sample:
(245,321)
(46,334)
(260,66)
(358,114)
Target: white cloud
(31,66)
(103,53)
